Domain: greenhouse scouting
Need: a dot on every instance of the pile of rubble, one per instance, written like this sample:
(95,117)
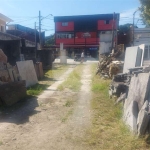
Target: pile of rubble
(110,65)
(133,90)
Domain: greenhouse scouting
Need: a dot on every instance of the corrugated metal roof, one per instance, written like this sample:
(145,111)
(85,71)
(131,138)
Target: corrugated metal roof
(86,17)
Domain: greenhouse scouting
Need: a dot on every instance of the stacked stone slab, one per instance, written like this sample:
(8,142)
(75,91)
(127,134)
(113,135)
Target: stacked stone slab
(135,112)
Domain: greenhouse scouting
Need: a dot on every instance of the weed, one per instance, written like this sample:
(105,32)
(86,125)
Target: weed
(68,103)
(36,89)
(65,118)
(73,81)
(1,143)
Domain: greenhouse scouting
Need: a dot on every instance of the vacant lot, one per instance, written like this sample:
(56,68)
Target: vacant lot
(77,116)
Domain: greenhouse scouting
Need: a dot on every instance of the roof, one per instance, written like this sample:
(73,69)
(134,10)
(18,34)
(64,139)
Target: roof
(86,17)
(5,18)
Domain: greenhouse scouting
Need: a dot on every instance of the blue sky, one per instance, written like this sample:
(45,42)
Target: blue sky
(25,12)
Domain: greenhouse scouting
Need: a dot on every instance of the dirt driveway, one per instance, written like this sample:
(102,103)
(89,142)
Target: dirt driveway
(55,122)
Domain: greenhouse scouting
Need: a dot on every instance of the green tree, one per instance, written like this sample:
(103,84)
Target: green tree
(50,40)
(124,28)
(145,11)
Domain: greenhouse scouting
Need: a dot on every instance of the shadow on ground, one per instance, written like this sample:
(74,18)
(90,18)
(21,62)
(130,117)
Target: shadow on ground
(20,112)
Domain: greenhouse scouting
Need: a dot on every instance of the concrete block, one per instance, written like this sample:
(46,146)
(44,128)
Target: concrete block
(27,72)
(12,92)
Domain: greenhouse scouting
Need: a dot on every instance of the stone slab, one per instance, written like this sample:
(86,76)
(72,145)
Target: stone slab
(143,119)
(27,72)
(133,57)
(130,116)
(3,57)
(139,89)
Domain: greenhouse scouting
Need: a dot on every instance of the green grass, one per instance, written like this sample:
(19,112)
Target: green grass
(65,118)
(1,143)
(50,76)
(73,82)
(108,132)
(36,89)
(56,72)
(68,103)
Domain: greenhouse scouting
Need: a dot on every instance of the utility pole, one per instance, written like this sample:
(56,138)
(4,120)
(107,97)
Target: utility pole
(35,39)
(117,25)
(112,46)
(133,25)
(40,29)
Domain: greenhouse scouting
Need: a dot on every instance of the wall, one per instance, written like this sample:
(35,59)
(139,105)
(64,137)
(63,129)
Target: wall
(5,36)
(59,27)
(106,37)
(104,47)
(103,26)
(2,23)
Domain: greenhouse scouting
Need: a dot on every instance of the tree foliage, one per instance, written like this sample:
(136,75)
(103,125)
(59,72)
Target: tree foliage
(50,40)
(145,11)
(124,28)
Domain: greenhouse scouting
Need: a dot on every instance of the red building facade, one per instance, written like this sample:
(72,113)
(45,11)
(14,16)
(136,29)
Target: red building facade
(82,32)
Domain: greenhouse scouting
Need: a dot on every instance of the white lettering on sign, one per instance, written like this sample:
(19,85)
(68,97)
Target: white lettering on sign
(86,34)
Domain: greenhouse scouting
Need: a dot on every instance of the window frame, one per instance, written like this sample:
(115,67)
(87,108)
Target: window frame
(64,24)
(107,21)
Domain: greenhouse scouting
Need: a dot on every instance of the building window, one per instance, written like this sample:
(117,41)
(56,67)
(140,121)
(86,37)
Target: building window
(64,24)
(106,21)
(64,35)
(103,32)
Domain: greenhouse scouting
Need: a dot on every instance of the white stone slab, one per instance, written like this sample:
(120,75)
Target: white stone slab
(133,57)
(27,72)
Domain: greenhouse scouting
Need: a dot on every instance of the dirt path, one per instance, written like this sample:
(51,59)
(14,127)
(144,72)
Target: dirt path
(55,121)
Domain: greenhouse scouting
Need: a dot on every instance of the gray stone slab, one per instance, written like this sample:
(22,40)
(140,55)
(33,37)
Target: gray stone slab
(130,116)
(143,119)
(27,72)
(143,122)
(138,89)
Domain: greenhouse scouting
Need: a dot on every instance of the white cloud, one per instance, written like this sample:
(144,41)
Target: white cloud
(127,13)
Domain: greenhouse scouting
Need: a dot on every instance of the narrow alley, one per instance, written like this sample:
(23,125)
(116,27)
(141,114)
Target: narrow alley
(57,119)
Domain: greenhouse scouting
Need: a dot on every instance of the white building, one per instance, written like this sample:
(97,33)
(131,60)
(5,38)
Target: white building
(3,21)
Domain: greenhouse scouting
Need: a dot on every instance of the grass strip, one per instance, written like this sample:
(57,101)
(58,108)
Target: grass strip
(108,132)
(50,76)
(73,82)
